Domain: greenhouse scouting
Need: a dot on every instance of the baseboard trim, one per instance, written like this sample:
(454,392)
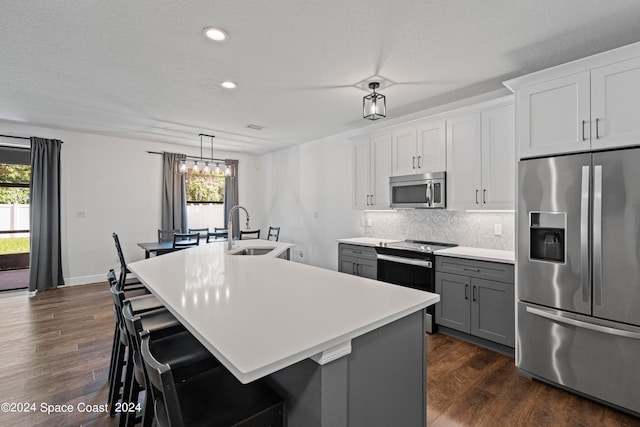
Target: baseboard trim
(84,280)
(503,349)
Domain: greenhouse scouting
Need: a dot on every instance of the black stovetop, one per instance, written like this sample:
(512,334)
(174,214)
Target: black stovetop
(417,245)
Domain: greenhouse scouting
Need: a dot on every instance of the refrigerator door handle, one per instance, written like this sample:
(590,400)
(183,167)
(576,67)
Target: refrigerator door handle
(597,235)
(584,234)
(579,323)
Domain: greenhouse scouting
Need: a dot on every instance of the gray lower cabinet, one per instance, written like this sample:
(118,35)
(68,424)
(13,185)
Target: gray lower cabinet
(476,297)
(357,260)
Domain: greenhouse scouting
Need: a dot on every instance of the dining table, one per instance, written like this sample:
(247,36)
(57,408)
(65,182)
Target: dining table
(159,248)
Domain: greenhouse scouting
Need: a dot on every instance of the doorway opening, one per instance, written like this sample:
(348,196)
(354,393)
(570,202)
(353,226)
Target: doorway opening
(15,174)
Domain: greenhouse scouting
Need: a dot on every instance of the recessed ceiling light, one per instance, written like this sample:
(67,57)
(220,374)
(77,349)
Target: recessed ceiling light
(228,85)
(215,34)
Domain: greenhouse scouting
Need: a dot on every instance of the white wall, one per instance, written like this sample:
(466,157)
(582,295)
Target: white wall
(307,192)
(111,185)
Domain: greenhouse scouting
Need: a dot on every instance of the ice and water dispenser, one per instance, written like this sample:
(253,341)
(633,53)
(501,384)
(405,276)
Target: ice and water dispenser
(547,236)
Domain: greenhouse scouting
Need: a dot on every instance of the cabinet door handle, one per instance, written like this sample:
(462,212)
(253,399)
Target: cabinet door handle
(584,136)
(476,197)
(413,162)
(372,202)
(484,195)
(353,268)
(358,269)
(474,294)
(597,128)
(368,199)
(466,292)
(419,165)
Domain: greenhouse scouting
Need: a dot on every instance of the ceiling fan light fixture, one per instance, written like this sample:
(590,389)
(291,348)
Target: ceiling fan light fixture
(215,34)
(374,105)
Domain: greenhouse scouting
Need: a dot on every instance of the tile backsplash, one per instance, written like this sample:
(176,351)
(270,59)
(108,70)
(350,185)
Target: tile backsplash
(475,229)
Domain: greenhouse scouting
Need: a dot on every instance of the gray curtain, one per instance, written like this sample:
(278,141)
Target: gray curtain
(174,193)
(45,258)
(231,194)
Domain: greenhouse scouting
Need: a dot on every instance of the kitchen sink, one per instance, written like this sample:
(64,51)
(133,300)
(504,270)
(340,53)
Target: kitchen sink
(254,251)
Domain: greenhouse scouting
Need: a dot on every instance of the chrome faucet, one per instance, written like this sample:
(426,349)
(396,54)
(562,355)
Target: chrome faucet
(230,225)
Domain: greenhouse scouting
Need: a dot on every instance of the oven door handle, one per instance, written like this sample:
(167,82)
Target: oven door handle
(410,261)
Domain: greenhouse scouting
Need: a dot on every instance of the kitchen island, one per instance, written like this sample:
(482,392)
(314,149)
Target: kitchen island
(341,350)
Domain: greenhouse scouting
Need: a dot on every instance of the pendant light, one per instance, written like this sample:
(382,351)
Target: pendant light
(200,164)
(374,105)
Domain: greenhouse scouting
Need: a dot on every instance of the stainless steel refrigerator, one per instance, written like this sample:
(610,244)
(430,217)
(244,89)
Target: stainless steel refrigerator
(578,267)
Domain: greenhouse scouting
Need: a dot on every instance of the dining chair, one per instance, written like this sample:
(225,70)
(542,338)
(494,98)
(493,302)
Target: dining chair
(218,233)
(186,396)
(167,235)
(274,233)
(185,240)
(202,231)
(249,234)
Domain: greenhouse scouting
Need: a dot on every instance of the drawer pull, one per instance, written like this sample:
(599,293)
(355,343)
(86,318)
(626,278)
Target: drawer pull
(475,270)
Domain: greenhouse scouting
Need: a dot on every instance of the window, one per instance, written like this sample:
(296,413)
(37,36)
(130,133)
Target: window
(205,187)
(205,199)
(14,183)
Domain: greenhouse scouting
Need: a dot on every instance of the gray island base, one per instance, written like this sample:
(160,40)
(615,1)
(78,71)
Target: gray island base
(382,382)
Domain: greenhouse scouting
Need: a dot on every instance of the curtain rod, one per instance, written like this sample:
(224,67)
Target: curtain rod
(16,137)
(19,137)
(210,159)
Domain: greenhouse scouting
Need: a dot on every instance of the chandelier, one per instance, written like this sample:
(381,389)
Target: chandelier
(203,164)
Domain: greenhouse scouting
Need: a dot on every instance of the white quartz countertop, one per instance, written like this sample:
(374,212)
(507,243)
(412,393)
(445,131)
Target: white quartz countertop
(365,241)
(258,314)
(481,254)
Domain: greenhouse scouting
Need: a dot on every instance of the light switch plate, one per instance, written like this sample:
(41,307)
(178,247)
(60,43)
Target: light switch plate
(497,229)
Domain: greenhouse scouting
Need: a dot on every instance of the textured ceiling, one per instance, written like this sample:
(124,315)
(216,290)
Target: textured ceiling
(142,69)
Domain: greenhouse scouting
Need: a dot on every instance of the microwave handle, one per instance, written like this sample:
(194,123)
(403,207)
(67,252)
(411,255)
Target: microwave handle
(429,183)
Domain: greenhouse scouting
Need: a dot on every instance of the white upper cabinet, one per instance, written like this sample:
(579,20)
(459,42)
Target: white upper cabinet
(432,146)
(481,160)
(588,104)
(361,173)
(464,175)
(404,155)
(371,171)
(554,116)
(419,149)
(615,103)
(498,158)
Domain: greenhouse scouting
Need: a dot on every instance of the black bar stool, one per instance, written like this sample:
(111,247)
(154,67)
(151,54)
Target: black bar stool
(160,321)
(184,396)
(139,304)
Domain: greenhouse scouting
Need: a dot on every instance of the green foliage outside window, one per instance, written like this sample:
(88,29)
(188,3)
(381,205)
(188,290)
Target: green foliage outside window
(205,187)
(14,175)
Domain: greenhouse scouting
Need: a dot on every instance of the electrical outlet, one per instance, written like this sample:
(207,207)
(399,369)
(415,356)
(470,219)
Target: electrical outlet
(369,222)
(497,229)
(301,254)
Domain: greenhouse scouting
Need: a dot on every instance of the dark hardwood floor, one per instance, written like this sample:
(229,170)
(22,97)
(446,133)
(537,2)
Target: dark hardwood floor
(472,386)
(55,350)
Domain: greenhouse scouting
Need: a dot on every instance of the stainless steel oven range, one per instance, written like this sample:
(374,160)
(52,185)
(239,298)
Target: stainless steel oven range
(410,263)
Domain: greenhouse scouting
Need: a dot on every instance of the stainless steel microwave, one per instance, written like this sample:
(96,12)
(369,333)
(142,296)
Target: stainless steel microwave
(425,190)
